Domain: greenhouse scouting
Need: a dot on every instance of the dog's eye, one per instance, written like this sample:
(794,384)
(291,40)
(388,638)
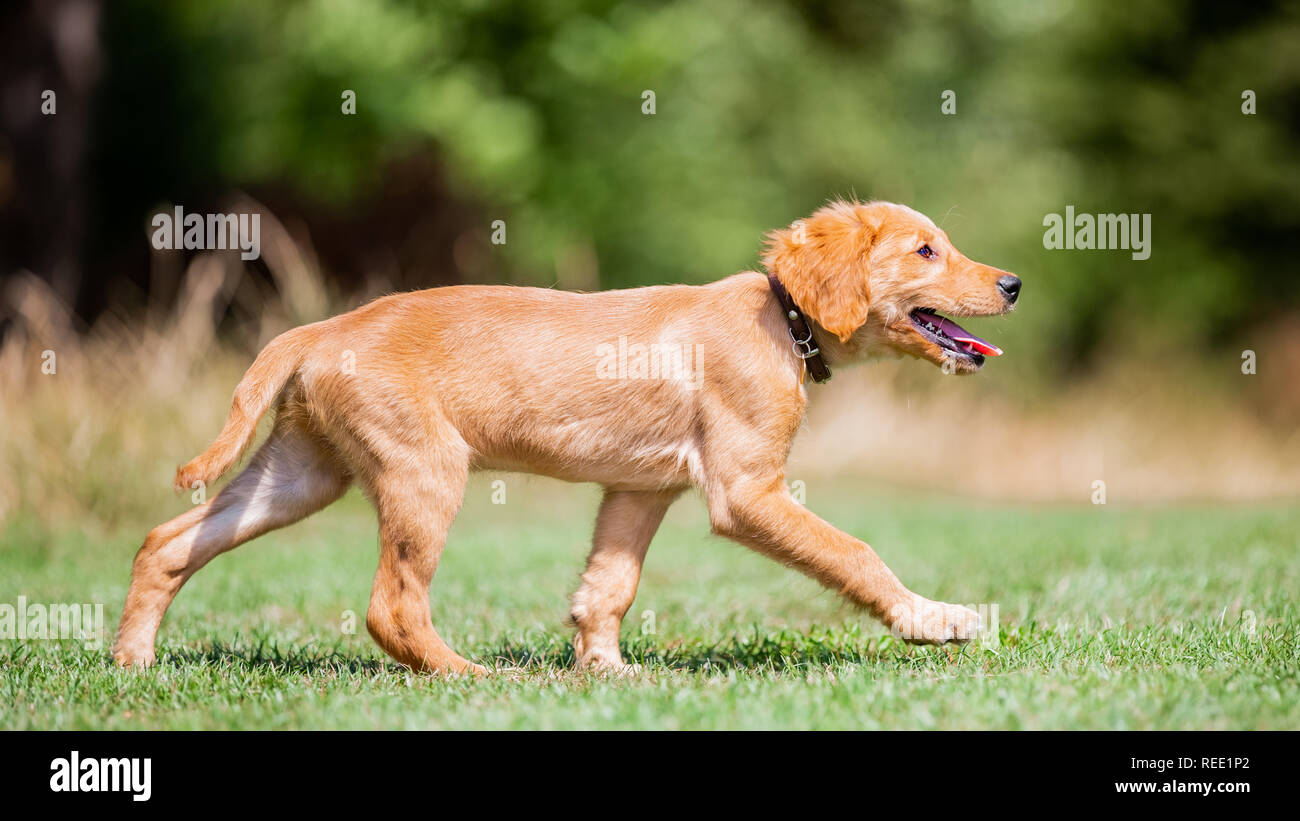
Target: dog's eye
(927,252)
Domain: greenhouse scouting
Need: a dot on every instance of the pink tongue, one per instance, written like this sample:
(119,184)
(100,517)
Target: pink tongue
(959,334)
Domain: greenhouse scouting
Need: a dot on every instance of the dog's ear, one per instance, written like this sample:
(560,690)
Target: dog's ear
(822,262)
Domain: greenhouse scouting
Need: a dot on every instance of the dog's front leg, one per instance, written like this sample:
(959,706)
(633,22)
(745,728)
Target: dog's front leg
(764,516)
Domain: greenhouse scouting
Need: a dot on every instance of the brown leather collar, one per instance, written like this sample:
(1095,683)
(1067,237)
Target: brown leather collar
(805,346)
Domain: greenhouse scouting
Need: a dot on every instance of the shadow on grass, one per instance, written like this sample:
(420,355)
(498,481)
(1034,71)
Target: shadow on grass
(782,651)
(271,657)
(544,652)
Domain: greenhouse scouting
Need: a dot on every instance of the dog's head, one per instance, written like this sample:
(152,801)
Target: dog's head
(880,275)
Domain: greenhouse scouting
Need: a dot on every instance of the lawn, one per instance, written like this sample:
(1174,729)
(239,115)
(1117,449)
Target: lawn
(1109,618)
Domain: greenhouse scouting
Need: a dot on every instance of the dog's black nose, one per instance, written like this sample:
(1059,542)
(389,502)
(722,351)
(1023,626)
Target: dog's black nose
(1009,285)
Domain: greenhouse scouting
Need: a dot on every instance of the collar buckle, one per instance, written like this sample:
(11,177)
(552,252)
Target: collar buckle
(801,333)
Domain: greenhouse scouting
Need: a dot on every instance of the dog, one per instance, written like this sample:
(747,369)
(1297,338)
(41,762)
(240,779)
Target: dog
(405,396)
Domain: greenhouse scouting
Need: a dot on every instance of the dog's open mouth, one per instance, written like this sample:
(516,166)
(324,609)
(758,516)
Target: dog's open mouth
(950,336)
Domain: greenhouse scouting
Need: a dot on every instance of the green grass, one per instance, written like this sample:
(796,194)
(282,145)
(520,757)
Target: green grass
(1110,618)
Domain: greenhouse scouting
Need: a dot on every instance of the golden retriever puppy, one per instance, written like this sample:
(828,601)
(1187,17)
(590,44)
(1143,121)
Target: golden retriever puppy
(646,391)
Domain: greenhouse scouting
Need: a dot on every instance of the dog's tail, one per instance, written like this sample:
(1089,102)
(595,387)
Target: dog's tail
(261,384)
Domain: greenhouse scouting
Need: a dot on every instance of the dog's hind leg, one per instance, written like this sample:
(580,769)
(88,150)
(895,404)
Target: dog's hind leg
(293,475)
(417,493)
(624,527)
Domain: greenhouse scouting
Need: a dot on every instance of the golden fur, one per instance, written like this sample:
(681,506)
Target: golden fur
(408,394)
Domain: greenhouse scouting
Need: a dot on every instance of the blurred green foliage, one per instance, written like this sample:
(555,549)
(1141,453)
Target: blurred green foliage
(764,110)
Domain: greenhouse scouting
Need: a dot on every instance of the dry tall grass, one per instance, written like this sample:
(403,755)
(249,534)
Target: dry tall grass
(1148,437)
(94,443)
(96,419)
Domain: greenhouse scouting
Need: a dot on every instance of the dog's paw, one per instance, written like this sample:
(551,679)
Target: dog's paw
(125,656)
(921,621)
(606,663)
(615,670)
